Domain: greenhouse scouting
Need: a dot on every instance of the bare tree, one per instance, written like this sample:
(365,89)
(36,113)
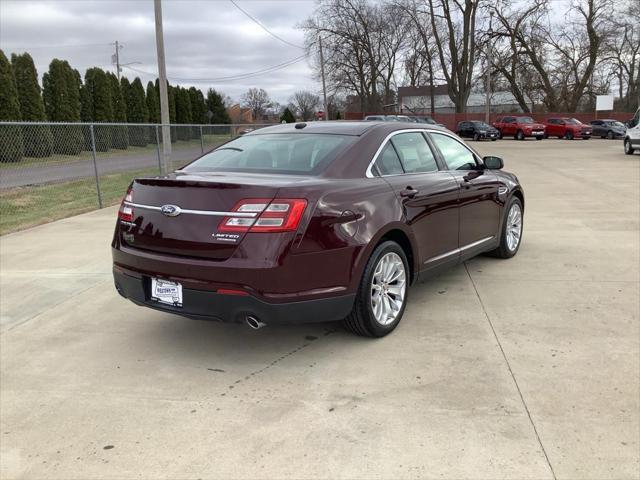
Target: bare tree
(361,48)
(453,25)
(305,104)
(556,62)
(623,52)
(257,100)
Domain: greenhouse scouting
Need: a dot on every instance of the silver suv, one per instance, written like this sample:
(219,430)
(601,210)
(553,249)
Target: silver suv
(632,135)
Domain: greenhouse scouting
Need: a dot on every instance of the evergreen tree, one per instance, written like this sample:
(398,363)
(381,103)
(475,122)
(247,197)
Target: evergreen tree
(153,107)
(183,112)
(61,95)
(153,103)
(38,141)
(119,135)
(198,110)
(136,112)
(198,107)
(287,116)
(98,87)
(215,105)
(172,108)
(10,136)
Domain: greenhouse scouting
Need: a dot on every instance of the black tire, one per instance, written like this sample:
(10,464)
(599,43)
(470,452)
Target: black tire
(476,137)
(500,134)
(628,149)
(503,250)
(493,139)
(568,135)
(519,135)
(546,136)
(361,320)
(610,135)
(539,137)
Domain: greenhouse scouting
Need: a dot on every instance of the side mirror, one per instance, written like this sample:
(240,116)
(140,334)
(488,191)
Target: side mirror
(493,163)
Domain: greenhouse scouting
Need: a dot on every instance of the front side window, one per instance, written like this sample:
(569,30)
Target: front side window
(454,153)
(300,154)
(414,152)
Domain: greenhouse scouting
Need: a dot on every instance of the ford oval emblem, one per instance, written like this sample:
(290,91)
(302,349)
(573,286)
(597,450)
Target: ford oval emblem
(171,210)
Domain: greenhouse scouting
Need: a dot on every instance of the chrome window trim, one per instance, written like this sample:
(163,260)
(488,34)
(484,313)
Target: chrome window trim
(211,213)
(459,250)
(369,171)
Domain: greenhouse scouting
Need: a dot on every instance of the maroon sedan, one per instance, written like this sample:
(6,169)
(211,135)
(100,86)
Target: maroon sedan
(313,222)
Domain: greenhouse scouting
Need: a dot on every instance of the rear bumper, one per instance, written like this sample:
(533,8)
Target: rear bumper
(209,305)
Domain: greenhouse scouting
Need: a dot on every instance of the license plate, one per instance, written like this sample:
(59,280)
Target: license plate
(164,291)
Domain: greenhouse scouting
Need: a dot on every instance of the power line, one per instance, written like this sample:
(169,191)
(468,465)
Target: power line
(87,45)
(240,76)
(258,22)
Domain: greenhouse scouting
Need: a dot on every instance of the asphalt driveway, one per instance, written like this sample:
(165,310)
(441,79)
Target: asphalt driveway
(524,368)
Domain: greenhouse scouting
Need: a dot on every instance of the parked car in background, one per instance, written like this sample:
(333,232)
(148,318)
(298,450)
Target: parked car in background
(568,128)
(424,119)
(387,118)
(313,222)
(519,127)
(375,118)
(477,130)
(608,128)
(632,139)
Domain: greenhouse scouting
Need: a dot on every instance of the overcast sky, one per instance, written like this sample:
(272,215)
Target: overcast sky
(203,39)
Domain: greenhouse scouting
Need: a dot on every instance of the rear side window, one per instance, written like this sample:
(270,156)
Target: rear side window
(301,154)
(454,153)
(414,152)
(388,162)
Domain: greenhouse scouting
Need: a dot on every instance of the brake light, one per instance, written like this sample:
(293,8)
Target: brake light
(125,213)
(277,215)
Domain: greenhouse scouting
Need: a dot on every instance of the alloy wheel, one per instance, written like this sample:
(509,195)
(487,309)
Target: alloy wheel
(514,227)
(388,288)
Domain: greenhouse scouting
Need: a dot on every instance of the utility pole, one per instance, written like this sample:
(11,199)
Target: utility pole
(164,97)
(487,114)
(117,60)
(324,85)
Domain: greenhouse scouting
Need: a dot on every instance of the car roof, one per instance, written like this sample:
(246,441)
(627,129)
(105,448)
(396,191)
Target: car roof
(343,127)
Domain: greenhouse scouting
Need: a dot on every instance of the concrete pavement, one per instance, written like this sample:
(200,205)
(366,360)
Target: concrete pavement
(525,368)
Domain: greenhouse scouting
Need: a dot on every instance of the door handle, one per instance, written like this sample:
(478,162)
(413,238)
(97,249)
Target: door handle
(408,192)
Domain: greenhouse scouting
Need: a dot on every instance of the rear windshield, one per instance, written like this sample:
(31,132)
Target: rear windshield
(301,154)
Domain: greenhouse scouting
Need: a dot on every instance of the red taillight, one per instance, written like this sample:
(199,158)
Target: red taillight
(126,211)
(277,215)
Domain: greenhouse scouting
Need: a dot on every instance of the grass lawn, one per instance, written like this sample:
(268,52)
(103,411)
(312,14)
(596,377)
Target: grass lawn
(25,207)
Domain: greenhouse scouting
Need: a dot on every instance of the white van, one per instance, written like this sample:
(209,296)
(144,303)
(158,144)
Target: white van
(632,136)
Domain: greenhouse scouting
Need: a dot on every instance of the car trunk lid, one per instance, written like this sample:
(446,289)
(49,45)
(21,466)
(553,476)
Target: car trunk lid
(180,214)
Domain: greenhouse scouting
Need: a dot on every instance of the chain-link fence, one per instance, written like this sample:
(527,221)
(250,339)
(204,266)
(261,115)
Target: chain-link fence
(50,171)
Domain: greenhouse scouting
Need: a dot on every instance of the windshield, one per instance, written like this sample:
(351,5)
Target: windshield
(525,120)
(615,123)
(572,121)
(481,124)
(299,154)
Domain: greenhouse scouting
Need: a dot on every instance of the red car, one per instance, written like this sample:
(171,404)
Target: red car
(519,127)
(568,128)
(313,222)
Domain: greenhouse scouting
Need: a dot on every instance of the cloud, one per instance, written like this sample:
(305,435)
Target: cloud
(203,39)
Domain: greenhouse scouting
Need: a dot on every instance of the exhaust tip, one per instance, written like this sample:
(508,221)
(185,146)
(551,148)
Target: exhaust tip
(254,323)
